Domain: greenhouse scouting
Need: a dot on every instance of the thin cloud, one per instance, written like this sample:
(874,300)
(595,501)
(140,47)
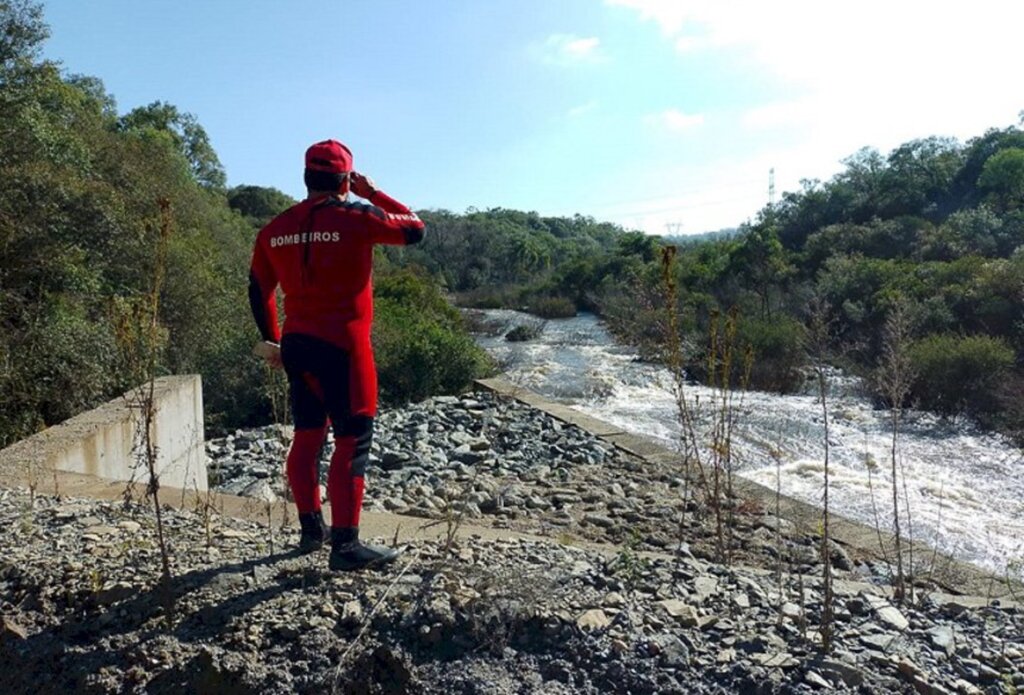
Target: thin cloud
(674,120)
(582,109)
(840,76)
(778,114)
(670,15)
(570,49)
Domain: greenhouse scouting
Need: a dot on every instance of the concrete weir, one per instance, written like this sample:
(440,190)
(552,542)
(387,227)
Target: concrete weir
(103,442)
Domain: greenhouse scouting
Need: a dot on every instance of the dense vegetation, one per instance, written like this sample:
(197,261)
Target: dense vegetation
(80,219)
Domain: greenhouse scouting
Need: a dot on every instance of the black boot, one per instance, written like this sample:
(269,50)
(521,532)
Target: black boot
(314,532)
(348,553)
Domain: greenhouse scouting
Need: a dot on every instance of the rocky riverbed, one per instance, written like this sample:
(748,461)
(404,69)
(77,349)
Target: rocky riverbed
(83,611)
(491,460)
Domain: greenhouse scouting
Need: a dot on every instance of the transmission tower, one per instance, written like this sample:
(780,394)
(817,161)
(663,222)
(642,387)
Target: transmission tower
(674,228)
(771,187)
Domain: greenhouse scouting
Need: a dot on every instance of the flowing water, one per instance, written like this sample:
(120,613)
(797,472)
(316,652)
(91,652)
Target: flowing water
(965,487)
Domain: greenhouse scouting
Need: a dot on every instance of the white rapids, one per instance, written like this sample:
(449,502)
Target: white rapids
(965,487)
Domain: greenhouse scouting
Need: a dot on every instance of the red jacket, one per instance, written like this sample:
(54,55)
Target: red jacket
(321,253)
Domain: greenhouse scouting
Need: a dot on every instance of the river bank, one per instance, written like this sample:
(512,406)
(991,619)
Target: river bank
(491,460)
(962,487)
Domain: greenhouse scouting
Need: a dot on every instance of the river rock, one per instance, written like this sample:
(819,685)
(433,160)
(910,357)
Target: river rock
(593,619)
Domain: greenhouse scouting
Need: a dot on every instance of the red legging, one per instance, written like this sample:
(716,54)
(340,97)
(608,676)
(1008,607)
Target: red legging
(344,488)
(325,380)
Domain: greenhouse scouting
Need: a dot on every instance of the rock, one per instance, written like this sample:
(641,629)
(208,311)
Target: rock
(886,612)
(705,587)
(112,593)
(614,600)
(594,619)
(686,614)
(670,650)
(955,607)
(210,674)
(261,490)
(777,660)
(598,520)
(858,606)
(878,642)
(394,504)
(351,614)
(890,615)
(790,610)
(10,628)
(765,642)
(838,670)
(840,558)
(966,688)
(812,678)
(393,460)
(988,675)
(943,638)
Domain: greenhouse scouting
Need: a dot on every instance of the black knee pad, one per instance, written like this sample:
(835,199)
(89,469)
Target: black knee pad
(361,428)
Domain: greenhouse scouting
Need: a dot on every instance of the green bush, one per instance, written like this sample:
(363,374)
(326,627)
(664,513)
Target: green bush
(491,298)
(778,353)
(552,307)
(421,346)
(960,374)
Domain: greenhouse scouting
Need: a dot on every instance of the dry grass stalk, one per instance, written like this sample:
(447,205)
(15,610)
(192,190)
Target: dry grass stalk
(817,347)
(895,379)
(140,338)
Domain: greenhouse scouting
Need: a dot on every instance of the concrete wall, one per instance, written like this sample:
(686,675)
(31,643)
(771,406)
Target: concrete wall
(104,442)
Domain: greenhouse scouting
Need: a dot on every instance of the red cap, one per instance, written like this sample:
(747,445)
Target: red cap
(330,156)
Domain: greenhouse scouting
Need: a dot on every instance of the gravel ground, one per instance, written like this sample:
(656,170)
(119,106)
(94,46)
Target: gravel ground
(498,462)
(83,611)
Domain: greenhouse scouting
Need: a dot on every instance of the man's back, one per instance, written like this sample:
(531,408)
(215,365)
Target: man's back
(321,253)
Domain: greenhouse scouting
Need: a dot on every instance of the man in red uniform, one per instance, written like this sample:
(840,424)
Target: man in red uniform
(320,252)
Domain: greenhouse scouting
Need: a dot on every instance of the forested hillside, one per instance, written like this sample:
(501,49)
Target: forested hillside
(80,219)
(933,227)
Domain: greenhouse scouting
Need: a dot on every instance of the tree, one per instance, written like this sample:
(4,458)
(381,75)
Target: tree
(1003,177)
(918,176)
(187,135)
(761,263)
(22,32)
(259,204)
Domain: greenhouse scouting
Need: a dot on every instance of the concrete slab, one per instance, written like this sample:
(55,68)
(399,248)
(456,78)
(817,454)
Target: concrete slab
(103,442)
(639,446)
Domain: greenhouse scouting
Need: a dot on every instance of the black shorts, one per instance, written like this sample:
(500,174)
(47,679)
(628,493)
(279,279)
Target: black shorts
(324,380)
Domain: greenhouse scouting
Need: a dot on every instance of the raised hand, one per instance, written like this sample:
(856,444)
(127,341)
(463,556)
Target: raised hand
(362,185)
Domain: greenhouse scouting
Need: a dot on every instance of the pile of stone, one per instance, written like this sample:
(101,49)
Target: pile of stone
(495,461)
(83,611)
(480,444)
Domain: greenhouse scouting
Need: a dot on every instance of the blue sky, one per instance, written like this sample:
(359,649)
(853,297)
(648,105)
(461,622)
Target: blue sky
(643,112)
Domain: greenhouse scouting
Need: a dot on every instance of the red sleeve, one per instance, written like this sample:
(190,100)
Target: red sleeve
(262,302)
(394,223)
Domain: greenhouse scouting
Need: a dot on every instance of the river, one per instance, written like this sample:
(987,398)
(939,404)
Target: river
(965,487)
